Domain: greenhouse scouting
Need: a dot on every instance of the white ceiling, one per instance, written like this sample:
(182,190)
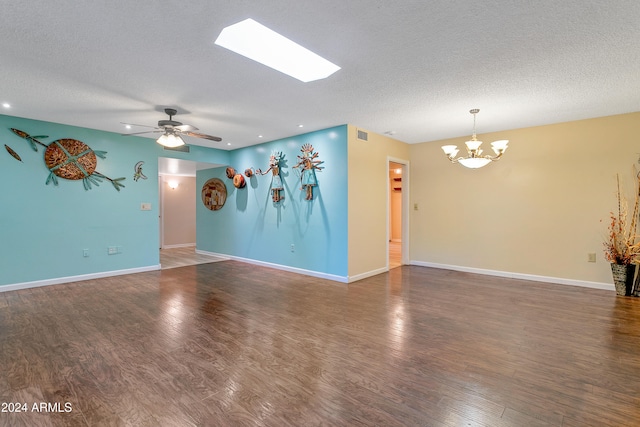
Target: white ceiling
(414,68)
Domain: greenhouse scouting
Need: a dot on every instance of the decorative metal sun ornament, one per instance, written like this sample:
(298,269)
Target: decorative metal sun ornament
(70,159)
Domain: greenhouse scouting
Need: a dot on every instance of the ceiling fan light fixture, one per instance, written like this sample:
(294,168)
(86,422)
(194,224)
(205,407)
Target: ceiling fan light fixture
(172,130)
(261,44)
(170,140)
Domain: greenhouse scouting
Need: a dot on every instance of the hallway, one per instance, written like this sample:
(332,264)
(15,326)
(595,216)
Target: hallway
(181,257)
(395,254)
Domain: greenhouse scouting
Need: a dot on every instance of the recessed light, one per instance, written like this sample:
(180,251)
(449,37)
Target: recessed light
(259,136)
(228,143)
(300,126)
(6,105)
(127,126)
(261,44)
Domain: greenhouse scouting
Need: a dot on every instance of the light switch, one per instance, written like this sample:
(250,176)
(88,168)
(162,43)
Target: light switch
(145,206)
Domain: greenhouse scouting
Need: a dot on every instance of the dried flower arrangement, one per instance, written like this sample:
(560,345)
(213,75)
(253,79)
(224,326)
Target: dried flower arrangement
(623,243)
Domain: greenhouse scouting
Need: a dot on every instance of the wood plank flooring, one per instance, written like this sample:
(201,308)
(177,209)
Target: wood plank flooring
(183,256)
(395,254)
(234,344)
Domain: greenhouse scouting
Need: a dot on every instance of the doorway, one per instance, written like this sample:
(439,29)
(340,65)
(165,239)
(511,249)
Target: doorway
(177,200)
(397,236)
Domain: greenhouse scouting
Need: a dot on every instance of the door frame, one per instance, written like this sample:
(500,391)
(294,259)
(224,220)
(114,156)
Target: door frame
(404,222)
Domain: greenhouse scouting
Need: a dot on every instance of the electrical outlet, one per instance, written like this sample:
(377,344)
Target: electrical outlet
(112,250)
(293,247)
(591,257)
(415,206)
(85,253)
(145,206)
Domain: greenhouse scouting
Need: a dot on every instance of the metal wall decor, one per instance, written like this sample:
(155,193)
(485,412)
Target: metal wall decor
(230,172)
(138,171)
(308,163)
(214,194)
(276,183)
(238,179)
(13,153)
(70,159)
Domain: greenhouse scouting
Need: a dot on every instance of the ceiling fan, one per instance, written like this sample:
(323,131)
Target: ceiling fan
(172,130)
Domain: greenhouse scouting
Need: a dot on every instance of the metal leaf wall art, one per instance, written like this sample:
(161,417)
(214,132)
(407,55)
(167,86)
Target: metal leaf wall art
(70,159)
(13,153)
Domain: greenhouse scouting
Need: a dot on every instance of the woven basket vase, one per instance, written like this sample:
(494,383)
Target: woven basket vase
(623,275)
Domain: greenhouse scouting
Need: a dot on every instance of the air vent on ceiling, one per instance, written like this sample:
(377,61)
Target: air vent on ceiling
(183,148)
(362,135)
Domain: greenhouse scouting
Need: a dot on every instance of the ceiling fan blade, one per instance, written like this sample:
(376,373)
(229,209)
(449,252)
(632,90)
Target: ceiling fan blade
(185,128)
(135,124)
(140,133)
(203,136)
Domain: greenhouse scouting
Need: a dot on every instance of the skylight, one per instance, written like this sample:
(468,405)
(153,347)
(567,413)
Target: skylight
(261,44)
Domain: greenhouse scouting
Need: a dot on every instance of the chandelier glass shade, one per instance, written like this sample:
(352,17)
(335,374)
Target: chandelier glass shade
(170,139)
(475,159)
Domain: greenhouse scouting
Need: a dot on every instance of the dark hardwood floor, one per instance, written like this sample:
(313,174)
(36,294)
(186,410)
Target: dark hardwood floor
(233,344)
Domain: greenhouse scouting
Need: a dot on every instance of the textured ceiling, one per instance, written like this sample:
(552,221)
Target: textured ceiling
(414,68)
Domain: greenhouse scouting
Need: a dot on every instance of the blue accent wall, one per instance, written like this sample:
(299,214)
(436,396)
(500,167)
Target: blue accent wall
(44,229)
(251,226)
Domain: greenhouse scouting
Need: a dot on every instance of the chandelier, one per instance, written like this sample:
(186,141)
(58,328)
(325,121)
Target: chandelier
(474,158)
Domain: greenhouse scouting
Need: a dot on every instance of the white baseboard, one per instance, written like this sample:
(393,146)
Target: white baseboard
(333,277)
(533,277)
(223,256)
(181,245)
(367,274)
(312,273)
(69,279)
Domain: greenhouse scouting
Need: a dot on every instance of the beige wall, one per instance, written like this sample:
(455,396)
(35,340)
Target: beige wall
(179,211)
(538,211)
(368,197)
